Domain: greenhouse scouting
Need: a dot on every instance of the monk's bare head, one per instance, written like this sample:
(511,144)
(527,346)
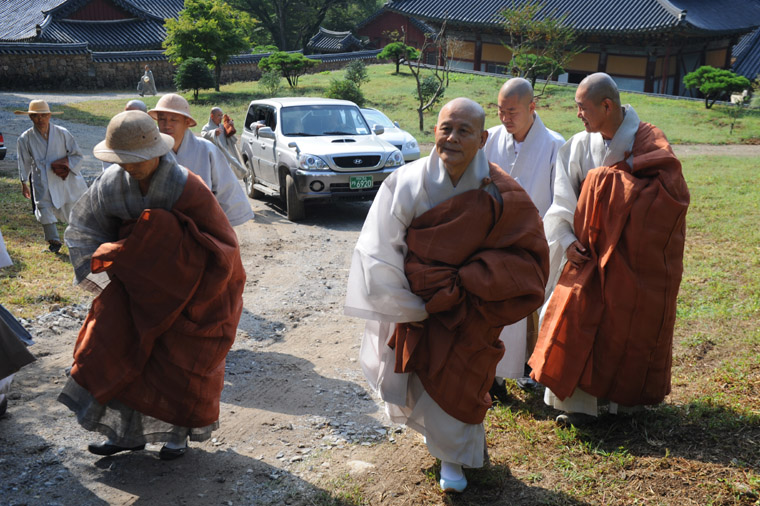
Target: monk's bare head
(517,107)
(216,115)
(598,101)
(459,134)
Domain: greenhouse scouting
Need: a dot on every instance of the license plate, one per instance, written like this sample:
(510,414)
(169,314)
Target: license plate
(360,182)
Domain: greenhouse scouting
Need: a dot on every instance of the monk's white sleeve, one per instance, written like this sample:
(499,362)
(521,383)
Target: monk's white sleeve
(72,151)
(377,286)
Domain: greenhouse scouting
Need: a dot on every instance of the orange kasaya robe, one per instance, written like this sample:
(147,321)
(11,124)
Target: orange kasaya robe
(156,338)
(479,265)
(608,328)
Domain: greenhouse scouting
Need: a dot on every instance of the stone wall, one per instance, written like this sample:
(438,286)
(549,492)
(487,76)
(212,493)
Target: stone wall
(72,68)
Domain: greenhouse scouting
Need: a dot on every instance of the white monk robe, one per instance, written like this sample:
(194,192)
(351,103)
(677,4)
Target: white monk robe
(53,197)
(583,152)
(531,163)
(205,160)
(227,145)
(378,291)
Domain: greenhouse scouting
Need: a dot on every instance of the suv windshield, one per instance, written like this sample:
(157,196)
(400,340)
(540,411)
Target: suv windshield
(311,120)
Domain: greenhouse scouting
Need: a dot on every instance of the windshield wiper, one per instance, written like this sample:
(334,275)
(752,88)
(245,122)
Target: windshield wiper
(300,134)
(339,133)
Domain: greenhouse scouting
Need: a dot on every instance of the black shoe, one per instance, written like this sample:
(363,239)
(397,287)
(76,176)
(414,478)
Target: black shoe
(106,448)
(171,453)
(54,246)
(527,383)
(499,393)
(576,419)
(3,405)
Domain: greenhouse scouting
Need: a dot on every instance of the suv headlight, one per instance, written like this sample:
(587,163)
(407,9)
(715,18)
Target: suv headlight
(312,162)
(394,159)
(411,145)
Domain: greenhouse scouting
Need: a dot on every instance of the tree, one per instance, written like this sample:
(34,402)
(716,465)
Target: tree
(193,74)
(715,83)
(431,88)
(290,65)
(546,36)
(356,71)
(398,51)
(291,23)
(210,30)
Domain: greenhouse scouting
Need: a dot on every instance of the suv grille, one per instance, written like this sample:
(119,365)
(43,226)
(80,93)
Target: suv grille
(356,161)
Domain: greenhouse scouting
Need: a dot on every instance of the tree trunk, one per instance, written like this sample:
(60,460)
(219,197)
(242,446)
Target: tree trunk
(398,62)
(422,118)
(218,72)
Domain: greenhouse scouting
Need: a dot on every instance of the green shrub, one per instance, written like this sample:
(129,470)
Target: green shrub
(356,72)
(428,87)
(345,90)
(193,74)
(271,81)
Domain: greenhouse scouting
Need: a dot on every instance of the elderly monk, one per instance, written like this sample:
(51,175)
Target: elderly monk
(136,105)
(451,251)
(526,150)
(147,85)
(220,130)
(49,157)
(618,221)
(172,113)
(149,359)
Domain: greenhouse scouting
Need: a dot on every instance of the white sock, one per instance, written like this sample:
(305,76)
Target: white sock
(175,446)
(450,471)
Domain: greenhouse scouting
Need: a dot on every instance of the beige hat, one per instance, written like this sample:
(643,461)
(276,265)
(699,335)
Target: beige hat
(132,137)
(38,107)
(171,102)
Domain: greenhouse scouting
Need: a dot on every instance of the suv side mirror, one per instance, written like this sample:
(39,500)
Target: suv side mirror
(266,132)
(397,125)
(378,129)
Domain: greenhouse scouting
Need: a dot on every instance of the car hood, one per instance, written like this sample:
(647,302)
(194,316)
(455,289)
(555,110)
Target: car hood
(396,136)
(340,144)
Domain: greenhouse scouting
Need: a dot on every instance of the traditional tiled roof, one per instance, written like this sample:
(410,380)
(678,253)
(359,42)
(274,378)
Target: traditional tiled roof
(49,21)
(128,56)
(19,17)
(421,25)
(747,54)
(327,41)
(40,48)
(708,17)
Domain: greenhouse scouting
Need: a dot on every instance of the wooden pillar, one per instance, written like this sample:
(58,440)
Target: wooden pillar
(478,56)
(649,77)
(602,65)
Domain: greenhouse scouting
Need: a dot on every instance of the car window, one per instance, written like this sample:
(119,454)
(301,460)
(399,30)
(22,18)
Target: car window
(314,120)
(264,113)
(377,118)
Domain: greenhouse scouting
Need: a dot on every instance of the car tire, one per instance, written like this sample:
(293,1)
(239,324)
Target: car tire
(249,180)
(295,207)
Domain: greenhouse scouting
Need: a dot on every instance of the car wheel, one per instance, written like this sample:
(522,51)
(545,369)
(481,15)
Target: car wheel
(295,208)
(249,179)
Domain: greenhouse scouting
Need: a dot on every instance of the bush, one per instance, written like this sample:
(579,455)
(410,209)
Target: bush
(193,74)
(345,90)
(290,65)
(428,87)
(714,83)
(271,81)
(356,72)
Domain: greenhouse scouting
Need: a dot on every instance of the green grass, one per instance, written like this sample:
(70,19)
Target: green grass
(684,122)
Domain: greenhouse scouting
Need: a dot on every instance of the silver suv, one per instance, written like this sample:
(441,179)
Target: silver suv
(313,148)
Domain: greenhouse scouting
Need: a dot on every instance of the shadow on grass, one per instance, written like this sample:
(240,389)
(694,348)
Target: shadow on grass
(496,485)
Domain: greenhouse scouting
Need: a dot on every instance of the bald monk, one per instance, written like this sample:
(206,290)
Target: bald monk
(451,251)
(616,233)
(526,150)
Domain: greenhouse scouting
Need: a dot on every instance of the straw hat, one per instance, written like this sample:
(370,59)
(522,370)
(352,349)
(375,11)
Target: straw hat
(38,107)
(132,137)
(171,102)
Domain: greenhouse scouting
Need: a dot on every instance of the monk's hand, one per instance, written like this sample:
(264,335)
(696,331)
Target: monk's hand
(61,171)
(25,191)
(577,254)
(218,131)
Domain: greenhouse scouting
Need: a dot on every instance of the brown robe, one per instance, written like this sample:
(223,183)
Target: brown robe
(608,328)
(479,265)
(156,338)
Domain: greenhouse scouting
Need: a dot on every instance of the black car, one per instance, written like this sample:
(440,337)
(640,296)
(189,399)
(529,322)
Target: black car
(2,147)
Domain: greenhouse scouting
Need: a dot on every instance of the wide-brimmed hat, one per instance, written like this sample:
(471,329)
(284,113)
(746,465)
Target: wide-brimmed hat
(38,107)
(132,137)
(171,102)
